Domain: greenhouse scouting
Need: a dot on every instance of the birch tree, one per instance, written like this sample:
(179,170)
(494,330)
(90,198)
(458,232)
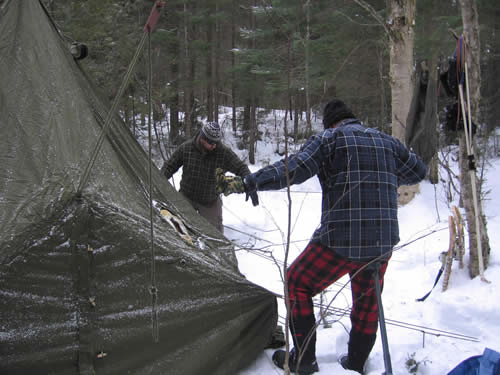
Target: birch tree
(400,28)
(402,37)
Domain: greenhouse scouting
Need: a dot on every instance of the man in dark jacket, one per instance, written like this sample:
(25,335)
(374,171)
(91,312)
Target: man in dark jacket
(200,157)
(359,170)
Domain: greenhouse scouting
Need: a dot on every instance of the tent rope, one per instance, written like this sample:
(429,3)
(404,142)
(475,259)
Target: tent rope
(148,29)
(153,289)
(344,312)
(398,323)
(107,122)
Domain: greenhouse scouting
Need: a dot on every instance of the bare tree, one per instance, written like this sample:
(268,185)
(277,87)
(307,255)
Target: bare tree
(402,36)
(188,69)
(400,28)
(233,63)
(253,128)
(215,51)
(307,62)
(210,64)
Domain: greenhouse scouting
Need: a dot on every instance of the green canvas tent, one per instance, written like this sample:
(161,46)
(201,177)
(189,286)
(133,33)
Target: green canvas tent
(77,270)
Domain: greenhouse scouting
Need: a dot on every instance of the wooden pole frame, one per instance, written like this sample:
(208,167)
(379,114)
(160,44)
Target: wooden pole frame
(472,171)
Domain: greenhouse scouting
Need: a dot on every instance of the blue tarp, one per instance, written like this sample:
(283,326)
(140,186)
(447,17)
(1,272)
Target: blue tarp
(486,364)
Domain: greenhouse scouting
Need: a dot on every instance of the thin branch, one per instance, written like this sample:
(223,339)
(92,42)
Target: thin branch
(354,21)
(348,56)
(375,15)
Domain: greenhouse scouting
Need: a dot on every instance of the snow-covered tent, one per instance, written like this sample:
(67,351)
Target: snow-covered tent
(77,271)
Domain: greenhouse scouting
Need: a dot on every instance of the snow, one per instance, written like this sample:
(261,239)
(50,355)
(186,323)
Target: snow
(436,334)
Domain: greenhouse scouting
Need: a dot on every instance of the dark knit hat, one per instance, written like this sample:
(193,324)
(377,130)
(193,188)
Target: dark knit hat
(334,112)
(211,131)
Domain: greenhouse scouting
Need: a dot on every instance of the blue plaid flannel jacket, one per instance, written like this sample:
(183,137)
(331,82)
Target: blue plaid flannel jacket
(359,170)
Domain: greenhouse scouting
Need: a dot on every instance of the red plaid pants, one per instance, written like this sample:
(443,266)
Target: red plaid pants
(317,268)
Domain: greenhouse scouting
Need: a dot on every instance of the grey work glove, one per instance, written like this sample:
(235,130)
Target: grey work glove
(250,183)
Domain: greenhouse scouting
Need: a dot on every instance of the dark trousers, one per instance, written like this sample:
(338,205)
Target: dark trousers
(213,212)
(316,268)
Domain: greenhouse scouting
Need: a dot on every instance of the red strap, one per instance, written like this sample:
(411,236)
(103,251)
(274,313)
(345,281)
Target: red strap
(153,17)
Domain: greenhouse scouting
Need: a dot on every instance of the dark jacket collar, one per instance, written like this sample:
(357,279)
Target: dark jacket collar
(348,121)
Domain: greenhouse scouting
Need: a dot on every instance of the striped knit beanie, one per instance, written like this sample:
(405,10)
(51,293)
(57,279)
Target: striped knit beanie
(211,131)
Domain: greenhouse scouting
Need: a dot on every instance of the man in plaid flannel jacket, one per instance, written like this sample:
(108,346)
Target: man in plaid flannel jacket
(359,170)
(200,157)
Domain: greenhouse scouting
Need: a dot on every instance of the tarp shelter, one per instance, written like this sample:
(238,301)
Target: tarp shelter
(76,271)
(421,124)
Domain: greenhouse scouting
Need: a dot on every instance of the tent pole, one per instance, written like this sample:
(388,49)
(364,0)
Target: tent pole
(148,28)
(470,154)
(381,320)
(107,122)
(153,288)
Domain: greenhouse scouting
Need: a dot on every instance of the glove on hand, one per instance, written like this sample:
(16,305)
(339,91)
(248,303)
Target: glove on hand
(250,183)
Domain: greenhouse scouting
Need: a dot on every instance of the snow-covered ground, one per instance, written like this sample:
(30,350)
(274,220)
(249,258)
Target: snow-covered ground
(436,334)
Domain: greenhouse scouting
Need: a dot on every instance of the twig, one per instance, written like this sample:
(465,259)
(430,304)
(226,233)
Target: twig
(375,15)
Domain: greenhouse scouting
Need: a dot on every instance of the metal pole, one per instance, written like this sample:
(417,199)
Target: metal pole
(472,174)
(381,319)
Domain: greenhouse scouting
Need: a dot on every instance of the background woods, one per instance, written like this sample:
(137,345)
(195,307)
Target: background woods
(255,56)
(263,55)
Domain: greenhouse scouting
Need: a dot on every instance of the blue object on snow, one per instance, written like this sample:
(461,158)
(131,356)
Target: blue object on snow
(486,364)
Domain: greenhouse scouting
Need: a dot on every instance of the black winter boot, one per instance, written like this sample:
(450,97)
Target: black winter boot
(304,340)
(359,348)
(277,339)
(306,366)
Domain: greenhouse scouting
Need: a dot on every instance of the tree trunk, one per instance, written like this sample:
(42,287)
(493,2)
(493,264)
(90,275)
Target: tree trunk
(253,100)
(174,118)
(233,64)
(472,55)
(173,73)
(246,115)
(296,122)
(383,120)
(253,132)
(215,66)
(209,67)
(188,72)
(402,36)
(307,58)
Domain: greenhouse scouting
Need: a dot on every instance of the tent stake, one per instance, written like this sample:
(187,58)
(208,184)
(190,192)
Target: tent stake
(381,320)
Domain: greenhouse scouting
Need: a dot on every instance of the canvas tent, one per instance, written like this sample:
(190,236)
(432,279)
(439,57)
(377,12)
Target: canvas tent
(76,270)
